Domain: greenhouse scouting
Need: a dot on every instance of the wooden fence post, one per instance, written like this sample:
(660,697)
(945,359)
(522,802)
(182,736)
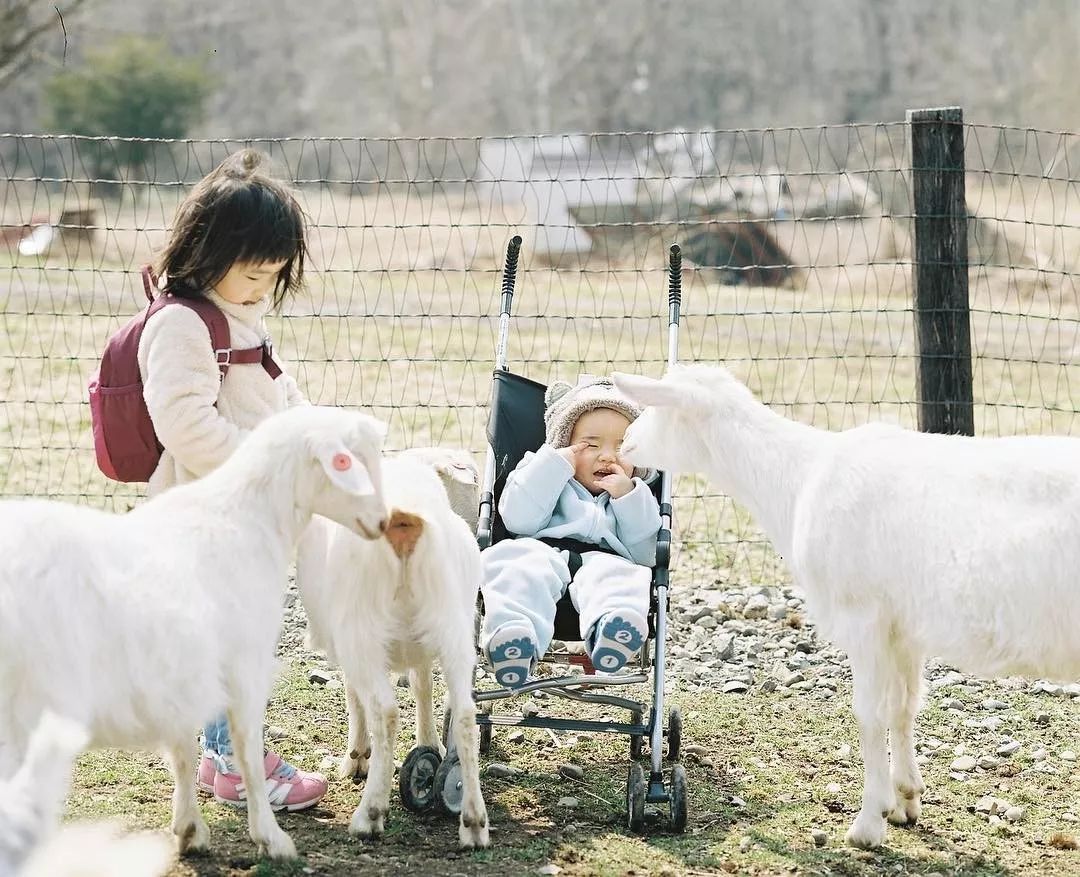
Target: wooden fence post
(940,271)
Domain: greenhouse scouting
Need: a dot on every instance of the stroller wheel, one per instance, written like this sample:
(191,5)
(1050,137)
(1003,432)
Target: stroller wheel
(674,734)
(635,799)
(677,798)
(416,780)
(636,740)
(448,787)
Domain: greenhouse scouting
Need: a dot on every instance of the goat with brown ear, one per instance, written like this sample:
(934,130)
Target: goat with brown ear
(400,603)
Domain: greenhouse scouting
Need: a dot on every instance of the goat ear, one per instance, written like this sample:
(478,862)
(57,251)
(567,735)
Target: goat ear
(344,470)
(459,470)
(649,391)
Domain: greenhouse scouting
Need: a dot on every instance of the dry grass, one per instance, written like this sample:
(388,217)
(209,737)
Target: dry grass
(400,317)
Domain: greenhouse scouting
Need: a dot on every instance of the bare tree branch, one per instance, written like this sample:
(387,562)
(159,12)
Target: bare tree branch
(22,24)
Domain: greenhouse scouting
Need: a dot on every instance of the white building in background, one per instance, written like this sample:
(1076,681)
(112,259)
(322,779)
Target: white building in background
(548,185)
(553,186)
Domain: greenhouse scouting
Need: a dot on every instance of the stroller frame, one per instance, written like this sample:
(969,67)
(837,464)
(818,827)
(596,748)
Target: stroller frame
(576,686)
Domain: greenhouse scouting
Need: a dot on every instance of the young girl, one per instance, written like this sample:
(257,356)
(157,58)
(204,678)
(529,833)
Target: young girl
(238,240)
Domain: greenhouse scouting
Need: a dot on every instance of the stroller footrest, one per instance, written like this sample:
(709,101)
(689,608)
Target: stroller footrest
(570,683)
(557,724)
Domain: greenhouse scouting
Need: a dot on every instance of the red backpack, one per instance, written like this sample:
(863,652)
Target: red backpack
(126,446)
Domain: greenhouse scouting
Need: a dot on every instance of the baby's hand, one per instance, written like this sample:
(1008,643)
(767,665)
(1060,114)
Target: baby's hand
(617,483)
(570,452)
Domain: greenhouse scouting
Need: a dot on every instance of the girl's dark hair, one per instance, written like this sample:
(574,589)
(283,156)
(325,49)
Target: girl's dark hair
(236,213)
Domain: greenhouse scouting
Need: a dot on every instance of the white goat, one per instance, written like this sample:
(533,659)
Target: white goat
(907,544)
(398,604)
(30,805)
(459,475)
(140,626)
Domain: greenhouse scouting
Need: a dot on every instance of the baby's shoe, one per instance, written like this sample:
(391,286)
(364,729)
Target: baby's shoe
(511,651)
(617,637)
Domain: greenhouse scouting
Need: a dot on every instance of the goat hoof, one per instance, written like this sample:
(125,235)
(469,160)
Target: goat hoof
(368,824)
(867,832)
(473,836)
(278,846)
(350,768)
(906,812)
(192,838)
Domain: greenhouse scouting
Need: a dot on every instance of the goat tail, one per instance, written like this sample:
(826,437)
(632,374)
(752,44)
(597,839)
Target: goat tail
(404,532)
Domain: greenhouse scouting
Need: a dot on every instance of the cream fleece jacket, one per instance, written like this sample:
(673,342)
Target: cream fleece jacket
(181,385)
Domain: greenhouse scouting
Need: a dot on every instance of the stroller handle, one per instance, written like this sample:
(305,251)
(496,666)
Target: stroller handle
(674,302)
(509,276)
(510,272)
(674,283)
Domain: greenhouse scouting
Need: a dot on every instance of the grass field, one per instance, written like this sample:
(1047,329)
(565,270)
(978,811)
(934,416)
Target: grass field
(774,770)
(400,318)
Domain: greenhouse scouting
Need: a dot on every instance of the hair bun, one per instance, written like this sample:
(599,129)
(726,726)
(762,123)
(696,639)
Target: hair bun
(244,163)
(250,159)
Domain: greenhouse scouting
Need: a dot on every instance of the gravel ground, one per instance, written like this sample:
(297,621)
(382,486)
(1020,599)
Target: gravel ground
(742,640)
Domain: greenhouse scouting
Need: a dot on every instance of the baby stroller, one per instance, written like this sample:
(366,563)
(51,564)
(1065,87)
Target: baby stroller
(516,425)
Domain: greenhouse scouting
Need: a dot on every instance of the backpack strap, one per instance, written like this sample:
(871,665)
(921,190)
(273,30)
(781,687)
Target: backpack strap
(149,282)
(261,355)
(217,325)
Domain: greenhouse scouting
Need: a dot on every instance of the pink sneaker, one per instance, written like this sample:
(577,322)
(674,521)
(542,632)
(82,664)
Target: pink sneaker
(204,779)
(288,787)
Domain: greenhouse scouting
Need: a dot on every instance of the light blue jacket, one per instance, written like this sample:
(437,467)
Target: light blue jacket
(543,499)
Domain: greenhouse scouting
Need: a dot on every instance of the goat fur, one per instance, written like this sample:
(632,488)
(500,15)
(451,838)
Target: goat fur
(460,476)
(32,844)
(399,604)
(141,626)
(906,545)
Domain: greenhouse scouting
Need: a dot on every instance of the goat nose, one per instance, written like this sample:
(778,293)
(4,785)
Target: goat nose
(383,524)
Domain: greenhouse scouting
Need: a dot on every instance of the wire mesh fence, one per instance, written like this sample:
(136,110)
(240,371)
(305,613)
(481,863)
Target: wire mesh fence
(797,274)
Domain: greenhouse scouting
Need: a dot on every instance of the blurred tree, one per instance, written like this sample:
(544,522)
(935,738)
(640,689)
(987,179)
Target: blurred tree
(134,88)
(23,25)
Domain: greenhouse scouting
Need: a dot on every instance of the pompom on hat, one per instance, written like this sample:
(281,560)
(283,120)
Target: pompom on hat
(566,403)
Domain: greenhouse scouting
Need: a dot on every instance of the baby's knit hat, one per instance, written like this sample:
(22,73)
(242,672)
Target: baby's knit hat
(566,403)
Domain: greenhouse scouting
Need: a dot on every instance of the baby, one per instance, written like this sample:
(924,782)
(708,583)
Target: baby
(573,496)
